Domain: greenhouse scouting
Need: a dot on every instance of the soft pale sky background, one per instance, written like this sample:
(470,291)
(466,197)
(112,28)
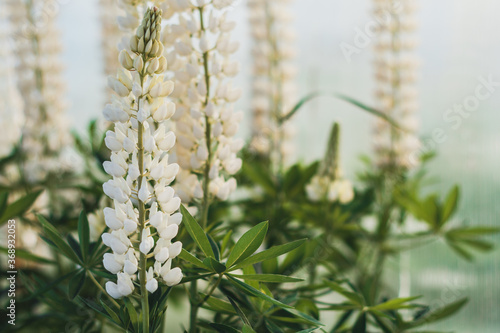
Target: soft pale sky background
(458,43)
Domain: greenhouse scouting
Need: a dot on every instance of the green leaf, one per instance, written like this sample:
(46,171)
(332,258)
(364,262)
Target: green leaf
(221,328)
(460,250)
(4,196)
(270,278)
(247,329)
(350,100)
(236,307)
(247,244)
(132,312)
(19,207)
(352,296)
(54,236)
(218,305)
(273,252)
(112,314)
(76,283)
(187,256)
(394,304)
(440,313)
(21,253)
(196,233)
(214,265)
(450,204)
(254,292)
(360,325)
(84,234)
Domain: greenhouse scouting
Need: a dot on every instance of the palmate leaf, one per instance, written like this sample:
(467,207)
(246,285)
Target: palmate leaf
(394,304)
(351,296)
(360,324)
(84,235)
(18,207)
(21,253)
(254,292)
(187,256)
(76,284)
(440,313)
(273,252)
(269,278)
(214,265)
(221,328)
(247,244)
(196,232)
(218,305)
(450,204)
(345,98)
(57,241)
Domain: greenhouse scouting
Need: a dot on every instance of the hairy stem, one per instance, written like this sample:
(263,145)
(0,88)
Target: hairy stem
(195,305)
(142,223)
(98,285)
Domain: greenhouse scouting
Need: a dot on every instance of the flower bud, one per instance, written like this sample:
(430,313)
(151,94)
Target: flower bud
(125,60)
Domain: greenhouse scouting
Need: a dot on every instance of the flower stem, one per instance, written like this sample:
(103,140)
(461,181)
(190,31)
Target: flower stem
(98,285)
(195,304)
(142,223)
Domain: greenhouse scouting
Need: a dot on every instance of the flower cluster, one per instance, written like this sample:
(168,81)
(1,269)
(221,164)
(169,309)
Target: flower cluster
(395,73)
(274,72)
(111,35)
(143,221)
(46,136)
(328,184)
(199,56)
(11,107)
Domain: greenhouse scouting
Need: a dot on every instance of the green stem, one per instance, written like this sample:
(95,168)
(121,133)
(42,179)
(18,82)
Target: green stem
(98,285)
(142,219)
(195,305)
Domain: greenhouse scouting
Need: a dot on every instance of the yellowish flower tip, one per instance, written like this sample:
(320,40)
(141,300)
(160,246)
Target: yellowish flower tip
(147,38)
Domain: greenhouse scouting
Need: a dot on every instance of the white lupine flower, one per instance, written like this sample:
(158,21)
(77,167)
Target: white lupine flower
(11,105)
(198,53)
(274,88)
(46,138)
(396,73)
(144,214)
(328,184)
(111,35)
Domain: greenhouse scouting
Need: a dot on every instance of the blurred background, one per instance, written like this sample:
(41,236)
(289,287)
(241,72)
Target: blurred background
(457,48)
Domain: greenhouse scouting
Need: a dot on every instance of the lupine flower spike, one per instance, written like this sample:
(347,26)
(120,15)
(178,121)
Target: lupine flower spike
(11,105)
(395,73)
(273,78)
(143,220)
(46,136)
(328,184)
(199,55)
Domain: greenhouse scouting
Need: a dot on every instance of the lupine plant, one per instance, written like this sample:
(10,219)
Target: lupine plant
(179,213)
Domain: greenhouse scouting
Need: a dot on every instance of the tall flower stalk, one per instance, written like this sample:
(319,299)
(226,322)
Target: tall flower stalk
(395,74)
(199,55)
(111,35)
(143,220)
(273,85)
(46,135)
(11,105)
(199,50)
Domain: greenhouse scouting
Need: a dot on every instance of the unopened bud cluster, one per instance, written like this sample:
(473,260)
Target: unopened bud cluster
(396,75)
(144,218)
(328,184)
(199,57)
